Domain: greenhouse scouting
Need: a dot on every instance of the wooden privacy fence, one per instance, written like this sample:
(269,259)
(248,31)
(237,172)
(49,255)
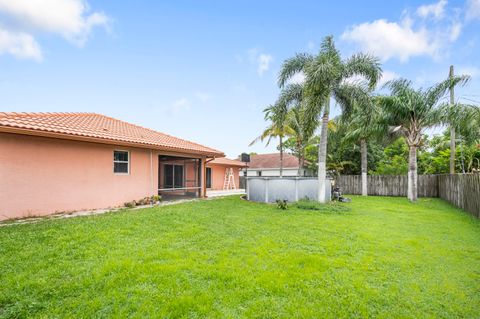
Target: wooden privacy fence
(462,190)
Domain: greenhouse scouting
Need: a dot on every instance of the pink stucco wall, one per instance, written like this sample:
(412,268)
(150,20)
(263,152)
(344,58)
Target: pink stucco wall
(41,176)
(218,176)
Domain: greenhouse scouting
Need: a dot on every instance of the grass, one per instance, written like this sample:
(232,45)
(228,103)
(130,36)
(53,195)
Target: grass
(227,258)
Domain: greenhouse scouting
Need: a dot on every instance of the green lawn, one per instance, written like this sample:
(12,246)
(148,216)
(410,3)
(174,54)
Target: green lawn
(228,258)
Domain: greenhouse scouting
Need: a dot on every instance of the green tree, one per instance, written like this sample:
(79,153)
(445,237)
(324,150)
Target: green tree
(325,75)
(276,115)
(363,124)
(411,111)
(299,120)
(394,160)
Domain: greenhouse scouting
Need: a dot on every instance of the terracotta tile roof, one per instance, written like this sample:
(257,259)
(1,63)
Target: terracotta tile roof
(272,161)
(98,127)
(227,161)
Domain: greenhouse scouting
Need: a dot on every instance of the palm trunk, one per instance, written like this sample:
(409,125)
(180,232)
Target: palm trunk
(302,162)
(281,157)
(412,173)
(322,157)
(363,150)
(452,150)
(299,172)
(299,156)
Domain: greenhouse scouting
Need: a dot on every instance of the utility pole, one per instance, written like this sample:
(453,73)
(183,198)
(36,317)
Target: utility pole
(452,128)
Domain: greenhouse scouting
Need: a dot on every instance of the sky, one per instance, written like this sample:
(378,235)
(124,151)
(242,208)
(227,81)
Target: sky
(205,70)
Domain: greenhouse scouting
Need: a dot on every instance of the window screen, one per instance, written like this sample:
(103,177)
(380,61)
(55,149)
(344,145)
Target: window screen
(121,162)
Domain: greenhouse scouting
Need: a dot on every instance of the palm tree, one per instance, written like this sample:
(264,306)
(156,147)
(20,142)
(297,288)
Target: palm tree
(325,75)
(302,132)
(299,120)
(276,114)
(464,127)
(363,124)
(411,111)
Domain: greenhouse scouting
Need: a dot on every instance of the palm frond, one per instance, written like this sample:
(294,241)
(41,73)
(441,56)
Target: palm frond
(436,92)
(365,65)
(348,95)
(293,66)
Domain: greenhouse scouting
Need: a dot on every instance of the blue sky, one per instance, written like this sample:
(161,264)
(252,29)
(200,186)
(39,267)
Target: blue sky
(205,70)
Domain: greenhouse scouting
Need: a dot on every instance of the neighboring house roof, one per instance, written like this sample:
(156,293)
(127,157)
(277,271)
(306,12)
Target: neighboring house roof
(97,128)
(272,161)
(227,162)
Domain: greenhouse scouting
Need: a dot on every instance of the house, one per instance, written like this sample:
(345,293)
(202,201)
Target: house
(223,174)
(269,165)
(61,162)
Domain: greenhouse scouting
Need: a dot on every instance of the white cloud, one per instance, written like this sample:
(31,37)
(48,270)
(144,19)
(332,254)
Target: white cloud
(70,19)
(261,60)
(412,36)
(264,61)
(387,76)
(436,10)
(455,30)
(473,10)
(473,71)
(181,103)
(203,96)
(20,45)
(178,106)
(297,78)
(391,40)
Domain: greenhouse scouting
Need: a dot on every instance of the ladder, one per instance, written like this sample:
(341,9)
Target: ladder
(229,181)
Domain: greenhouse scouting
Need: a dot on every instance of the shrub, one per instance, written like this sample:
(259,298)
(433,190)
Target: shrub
(130,204)
(156,198)
(282,204)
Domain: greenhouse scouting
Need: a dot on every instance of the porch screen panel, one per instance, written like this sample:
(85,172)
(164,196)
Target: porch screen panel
(168,176)
(178,176)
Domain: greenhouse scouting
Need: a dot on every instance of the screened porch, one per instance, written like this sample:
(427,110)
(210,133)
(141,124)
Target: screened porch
(179,177)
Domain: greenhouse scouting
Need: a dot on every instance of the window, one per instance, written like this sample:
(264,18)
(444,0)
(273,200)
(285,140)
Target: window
(173,176)
(259,173)
(121,162)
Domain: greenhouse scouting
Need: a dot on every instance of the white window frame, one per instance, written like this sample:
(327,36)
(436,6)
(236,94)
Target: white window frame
(128,162)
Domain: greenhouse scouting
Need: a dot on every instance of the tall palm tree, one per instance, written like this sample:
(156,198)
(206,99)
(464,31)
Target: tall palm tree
(325,75)
(464,128)
(364,124)
(276,115)
(411,111)
(459,116)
